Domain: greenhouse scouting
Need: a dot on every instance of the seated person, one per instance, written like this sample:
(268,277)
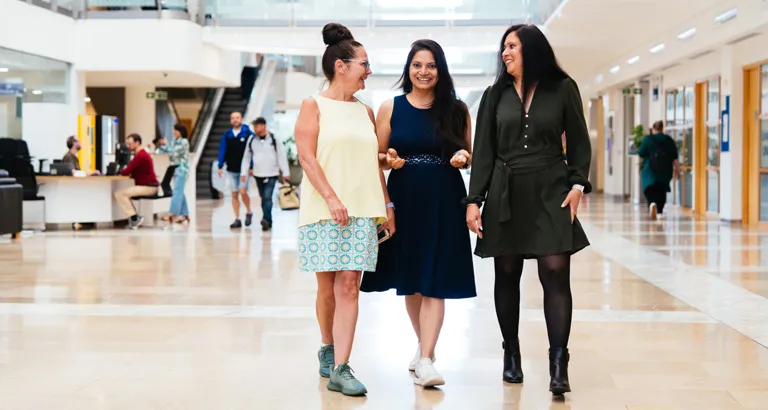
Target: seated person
(73,144)
(142,170)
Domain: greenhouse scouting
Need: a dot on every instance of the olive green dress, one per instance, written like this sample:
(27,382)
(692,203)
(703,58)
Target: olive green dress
(519,171)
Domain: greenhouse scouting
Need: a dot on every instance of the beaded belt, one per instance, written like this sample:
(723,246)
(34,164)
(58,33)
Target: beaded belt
(425,159)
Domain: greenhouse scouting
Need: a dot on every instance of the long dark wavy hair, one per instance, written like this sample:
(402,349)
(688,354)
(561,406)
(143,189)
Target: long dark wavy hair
(448,112)
(540,66)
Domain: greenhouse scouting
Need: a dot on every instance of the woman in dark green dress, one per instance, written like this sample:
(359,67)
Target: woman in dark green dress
(531,194)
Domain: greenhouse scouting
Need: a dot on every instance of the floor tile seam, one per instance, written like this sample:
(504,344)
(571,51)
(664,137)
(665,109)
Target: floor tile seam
(711,310)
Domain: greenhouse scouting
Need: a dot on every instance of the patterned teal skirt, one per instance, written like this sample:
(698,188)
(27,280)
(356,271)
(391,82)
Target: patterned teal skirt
(326,246)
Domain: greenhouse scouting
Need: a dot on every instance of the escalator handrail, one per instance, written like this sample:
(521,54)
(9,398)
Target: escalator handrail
(202,113)
(205,128)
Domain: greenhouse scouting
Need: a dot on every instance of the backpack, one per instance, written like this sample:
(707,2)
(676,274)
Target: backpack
(659,160)
(274,144)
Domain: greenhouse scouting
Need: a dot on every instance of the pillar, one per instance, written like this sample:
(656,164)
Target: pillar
(732,85)
(140,117)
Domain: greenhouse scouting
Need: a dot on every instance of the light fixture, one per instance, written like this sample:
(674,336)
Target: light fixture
(87,99)
(633,60)
(657,48)
(37,92)
(3,70)
(615,69)
(728,15)
(687,34)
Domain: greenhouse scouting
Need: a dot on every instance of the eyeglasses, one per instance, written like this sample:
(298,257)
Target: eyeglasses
(365,63)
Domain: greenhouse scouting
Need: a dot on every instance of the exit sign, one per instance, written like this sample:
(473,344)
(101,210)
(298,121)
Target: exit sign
(159,95)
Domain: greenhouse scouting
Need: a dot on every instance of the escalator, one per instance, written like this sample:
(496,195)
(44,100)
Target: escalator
(232,100)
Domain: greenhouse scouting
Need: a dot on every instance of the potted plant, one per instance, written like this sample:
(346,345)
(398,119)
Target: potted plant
(638,133)
(293,160)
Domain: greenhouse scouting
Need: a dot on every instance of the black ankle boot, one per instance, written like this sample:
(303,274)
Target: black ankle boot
(513,370)
(558,370)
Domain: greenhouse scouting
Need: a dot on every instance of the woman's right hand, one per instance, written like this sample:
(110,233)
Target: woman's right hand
(394,161)
(338,211)
(474,220)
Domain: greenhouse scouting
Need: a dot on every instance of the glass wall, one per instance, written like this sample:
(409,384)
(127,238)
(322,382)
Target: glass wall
(680,119)
(28,79)
(763,162)
(712,124)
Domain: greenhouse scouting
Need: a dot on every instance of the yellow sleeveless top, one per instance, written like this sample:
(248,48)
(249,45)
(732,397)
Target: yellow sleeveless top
(348,152)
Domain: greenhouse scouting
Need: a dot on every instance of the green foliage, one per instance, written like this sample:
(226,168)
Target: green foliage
(639,133)
(291,151)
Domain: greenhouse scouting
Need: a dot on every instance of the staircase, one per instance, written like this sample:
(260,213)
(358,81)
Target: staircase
(231,101)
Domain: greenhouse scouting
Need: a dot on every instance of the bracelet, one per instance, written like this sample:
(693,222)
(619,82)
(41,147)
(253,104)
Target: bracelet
(390,205)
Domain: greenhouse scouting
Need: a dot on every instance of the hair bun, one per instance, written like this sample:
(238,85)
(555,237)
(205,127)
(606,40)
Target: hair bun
(335,33)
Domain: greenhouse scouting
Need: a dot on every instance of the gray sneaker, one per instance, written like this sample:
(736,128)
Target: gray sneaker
(343,381)
(327,359)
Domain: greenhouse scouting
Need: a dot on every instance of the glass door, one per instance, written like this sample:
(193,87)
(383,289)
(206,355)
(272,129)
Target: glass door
(681,105)
(762,147)
(712,126)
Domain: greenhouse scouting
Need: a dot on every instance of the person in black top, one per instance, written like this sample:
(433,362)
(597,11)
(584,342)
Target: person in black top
(231,150)
(531,194)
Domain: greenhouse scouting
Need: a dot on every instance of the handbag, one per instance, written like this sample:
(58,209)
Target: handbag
(288,197)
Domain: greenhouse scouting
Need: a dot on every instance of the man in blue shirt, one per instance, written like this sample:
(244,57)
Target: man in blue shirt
(231,151)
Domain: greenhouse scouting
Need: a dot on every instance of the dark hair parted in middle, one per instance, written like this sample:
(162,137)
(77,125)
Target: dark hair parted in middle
(539,63)
(447,111)
(341,45)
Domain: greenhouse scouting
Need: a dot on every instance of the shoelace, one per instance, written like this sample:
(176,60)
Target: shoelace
(346,372)
(328,356)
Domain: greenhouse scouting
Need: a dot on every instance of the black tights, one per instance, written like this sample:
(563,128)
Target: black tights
(554,274)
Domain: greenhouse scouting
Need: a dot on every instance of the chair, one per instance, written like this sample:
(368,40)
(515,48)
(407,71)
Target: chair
(15,159)
(147,204)
(11,205)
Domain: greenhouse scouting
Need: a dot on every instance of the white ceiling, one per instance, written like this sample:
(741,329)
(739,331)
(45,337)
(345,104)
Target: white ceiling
(592,36)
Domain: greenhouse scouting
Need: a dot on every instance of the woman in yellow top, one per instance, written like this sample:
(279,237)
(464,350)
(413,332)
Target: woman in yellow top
(345,202)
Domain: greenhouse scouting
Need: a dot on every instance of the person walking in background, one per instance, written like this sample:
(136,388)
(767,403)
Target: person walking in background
(344,199)
(531,194)
(231,151)
(178,151)
(425,137)
(661,164)
(266,160)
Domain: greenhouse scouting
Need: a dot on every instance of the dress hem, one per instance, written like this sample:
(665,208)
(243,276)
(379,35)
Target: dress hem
(530,255)
(424,294)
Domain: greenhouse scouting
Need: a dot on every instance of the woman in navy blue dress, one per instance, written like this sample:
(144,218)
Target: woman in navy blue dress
(425,138)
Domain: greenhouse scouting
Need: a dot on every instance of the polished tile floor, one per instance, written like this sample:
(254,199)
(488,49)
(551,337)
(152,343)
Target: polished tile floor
(668,315)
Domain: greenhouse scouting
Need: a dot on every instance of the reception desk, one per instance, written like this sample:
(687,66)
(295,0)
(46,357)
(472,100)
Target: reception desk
(81,199)
(91,199)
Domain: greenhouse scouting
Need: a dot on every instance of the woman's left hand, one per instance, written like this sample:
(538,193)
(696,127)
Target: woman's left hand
(573,199)
(460,158)
(389,225)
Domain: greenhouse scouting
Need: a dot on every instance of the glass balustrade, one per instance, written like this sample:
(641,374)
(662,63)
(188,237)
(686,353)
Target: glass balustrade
(297,13)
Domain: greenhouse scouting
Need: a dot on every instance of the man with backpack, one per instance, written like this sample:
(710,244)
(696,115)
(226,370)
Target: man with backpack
(269,161)
(661,164)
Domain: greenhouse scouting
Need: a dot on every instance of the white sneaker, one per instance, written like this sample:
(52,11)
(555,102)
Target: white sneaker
(426,375)
(416,358)
(653,211)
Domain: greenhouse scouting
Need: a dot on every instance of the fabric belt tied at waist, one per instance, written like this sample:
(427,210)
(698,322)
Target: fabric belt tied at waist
(509,169)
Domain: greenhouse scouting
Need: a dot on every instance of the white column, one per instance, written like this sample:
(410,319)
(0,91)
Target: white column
(77,92)
(140,112)
(732,84)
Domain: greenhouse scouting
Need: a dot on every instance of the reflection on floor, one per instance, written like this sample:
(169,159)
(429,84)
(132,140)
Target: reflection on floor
(668,315)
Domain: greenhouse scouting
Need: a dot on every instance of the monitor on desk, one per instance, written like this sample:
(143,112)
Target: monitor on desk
(61,169)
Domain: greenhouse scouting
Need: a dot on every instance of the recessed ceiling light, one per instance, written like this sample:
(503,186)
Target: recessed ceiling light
(87,99)
(633,60)
(657,48)
(615,69)
(3,70)
(687,34)
(37,92)
(727,15)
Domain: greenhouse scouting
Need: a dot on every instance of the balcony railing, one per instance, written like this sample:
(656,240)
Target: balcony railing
(312,13)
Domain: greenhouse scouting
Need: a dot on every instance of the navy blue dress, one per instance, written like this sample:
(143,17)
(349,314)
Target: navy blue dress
(431,252)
